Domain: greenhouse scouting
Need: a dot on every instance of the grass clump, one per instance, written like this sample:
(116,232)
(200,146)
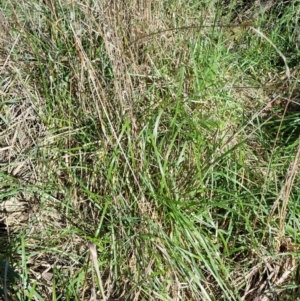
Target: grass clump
(139,151)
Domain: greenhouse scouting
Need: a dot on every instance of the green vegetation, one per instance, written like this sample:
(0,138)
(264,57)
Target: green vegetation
(162,134)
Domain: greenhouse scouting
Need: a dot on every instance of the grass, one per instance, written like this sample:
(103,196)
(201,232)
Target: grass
(149,151)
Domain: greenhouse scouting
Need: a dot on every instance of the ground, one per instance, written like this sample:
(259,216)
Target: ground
(149,150)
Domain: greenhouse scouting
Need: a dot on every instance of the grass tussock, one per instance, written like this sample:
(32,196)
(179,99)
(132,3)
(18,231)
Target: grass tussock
(149,150)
